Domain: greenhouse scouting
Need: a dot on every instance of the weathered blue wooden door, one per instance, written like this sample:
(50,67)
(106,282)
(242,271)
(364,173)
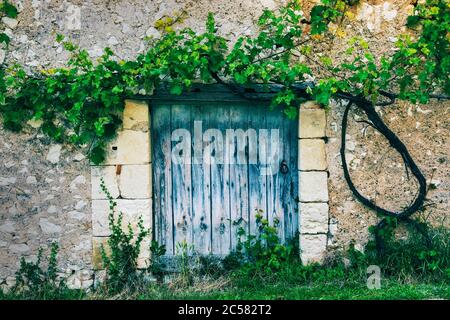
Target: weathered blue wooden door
(216,163)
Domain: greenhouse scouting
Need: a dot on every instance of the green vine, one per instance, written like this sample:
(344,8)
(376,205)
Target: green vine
(9,11)
(82,102)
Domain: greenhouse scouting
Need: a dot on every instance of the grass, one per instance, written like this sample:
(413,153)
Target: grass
(265,270)
(234,288)
(390,291)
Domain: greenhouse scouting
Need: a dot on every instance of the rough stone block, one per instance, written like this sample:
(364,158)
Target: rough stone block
(313,247)
(312,155)
(129,147)
(48,227)
(82,279)
(131,209)
(135,182)
(54,153)
(136,116)
(8,284)
(19,248)
(128,182)
(310,105)
(313,218)
(10,22)
(313,186)
(99,277)
(143,260)
(312,123)
(97,243)
(108,173)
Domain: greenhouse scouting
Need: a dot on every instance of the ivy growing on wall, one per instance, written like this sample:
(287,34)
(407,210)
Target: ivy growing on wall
(7,10)
(82,102)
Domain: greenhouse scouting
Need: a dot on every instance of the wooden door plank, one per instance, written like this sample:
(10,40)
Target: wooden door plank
(284,179)
(162,177)
(219,122)
(291,193)
(201,192)
(239,199)
(274,181)
(257,178)
(207,195)
(181,179)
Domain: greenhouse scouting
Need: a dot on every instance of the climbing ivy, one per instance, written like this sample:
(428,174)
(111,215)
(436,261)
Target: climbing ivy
(9,11)
(415,72)
(82,102)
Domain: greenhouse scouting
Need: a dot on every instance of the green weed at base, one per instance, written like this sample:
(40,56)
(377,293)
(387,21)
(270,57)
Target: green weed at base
(316,291)
(262,267)
(33,282)
(121,256)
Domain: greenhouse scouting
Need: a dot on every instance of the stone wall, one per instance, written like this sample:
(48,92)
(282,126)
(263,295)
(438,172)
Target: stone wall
(45,189)
(44,197)
(379,173)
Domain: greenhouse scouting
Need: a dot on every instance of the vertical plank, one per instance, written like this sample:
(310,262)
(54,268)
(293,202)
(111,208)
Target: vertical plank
(291,185)
(218,123)
(207,198)
(275,154)
(201,191)
(257,178)
(181,181)
(239,199)
(162,176)
(284,179)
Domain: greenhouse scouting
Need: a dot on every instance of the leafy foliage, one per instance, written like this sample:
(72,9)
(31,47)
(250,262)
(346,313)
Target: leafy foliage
(10,11)
(262,252)
(418,69)
(31,275)
(121,255)
(322,15)
(424,62)
(407,261)
(185,252)
(35,282)
(411,256)
(82,102)
(156,265)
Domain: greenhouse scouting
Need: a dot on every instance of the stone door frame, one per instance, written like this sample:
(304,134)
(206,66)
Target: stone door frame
(127,173)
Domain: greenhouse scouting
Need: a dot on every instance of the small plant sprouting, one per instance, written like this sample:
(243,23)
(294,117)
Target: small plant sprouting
(121,256)
(185,251)
(263,251)
(157,266)
(33,281)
